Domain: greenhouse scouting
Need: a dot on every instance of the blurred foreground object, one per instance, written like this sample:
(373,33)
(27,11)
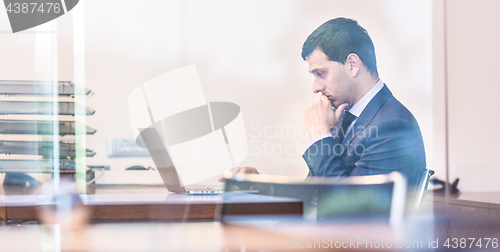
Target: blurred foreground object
(68,216)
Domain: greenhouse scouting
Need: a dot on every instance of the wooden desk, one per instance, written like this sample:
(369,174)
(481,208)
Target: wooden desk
(206,236)
(472,203)
(148,203)
(214,236)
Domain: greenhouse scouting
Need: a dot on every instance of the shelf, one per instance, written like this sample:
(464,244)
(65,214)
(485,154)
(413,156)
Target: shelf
(34,166)
(44,148)
(39,108)
(40,127)
(11,87)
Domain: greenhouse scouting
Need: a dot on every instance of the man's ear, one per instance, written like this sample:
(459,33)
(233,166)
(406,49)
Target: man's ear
(353,64)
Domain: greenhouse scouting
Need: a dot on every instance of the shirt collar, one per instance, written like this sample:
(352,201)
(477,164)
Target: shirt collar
(363,102)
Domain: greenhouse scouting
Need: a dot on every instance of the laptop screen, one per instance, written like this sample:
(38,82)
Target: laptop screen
(162,160)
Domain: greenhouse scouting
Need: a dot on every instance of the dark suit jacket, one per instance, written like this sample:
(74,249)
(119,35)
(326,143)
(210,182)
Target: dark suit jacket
(385,138)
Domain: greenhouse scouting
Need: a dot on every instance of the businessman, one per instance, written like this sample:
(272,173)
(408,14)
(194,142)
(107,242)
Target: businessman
(357,127)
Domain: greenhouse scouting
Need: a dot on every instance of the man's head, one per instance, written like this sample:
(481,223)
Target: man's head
(337,38)
(340,54)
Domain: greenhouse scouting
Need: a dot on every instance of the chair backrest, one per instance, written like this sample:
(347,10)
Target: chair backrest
(423,182)
(368,197)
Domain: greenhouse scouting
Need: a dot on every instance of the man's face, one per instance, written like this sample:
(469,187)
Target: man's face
(330,78)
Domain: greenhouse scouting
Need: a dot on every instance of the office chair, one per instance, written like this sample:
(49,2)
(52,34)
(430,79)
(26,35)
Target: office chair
(376,197)
(423,182)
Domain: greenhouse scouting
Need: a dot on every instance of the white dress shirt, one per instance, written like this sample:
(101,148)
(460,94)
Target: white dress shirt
(356,109)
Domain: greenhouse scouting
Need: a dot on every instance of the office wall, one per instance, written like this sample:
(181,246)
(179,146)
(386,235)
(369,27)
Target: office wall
(473,53)
(246,52)
(438,91)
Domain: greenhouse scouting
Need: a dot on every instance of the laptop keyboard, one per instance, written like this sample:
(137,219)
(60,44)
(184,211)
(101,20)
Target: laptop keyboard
(204,190)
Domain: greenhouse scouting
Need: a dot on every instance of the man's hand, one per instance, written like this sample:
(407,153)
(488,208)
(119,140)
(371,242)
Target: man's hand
(244,170)
(320,117)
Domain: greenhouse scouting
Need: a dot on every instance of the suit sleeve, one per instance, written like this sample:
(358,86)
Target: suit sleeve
(395,145)
(324,158)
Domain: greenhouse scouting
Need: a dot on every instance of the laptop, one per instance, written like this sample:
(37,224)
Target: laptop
(166,167)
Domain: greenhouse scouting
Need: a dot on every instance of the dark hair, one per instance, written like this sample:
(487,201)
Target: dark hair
(338,38)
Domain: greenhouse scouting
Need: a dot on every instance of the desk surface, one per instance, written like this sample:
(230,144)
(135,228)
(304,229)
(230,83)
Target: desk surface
(489,201)
(208,236)
(150,203)
(214,236)
(484,197)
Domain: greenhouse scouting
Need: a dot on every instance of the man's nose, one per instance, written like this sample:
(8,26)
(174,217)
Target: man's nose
(318,86)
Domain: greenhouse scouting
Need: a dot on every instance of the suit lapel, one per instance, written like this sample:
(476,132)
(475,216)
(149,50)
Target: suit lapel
(368,114)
